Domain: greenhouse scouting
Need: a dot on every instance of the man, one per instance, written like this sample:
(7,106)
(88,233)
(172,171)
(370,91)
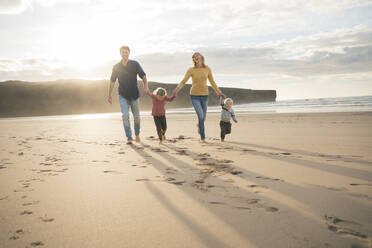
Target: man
(126,72)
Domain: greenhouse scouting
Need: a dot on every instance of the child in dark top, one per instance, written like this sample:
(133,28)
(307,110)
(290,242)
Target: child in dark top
(226,114)
(159,97)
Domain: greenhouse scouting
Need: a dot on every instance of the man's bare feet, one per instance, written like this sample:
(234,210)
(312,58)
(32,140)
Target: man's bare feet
(160,142)
(164,138)
(138,139)
(129,142)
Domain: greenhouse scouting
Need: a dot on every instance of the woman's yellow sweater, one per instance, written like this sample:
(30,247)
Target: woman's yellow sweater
(199,81)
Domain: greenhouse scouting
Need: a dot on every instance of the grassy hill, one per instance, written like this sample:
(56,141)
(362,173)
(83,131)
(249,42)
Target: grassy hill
(19,98)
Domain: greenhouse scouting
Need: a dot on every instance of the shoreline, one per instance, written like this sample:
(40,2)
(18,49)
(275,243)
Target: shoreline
(113,115)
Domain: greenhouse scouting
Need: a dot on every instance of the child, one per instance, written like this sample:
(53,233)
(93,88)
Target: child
(226,114)
(159,96)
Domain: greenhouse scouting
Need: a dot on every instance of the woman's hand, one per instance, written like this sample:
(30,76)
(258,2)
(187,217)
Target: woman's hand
(175,91)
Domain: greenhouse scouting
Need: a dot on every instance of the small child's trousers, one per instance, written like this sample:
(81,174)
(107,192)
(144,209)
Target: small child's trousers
(225,128)
(161,125)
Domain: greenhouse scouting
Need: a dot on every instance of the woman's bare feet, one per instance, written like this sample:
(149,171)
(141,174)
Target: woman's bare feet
(138,139)
(129,142)
(164,138)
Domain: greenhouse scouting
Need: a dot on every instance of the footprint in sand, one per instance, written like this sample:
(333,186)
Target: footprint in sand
(16,234)
(243,208)
(45,219)
(226,161)
(225,148)
(170,171)
(112,171)
(3,198)
(26,212)
(179,182)
(285,153)
(181,152)
(271,209)
(361,184)
(142,179)
(342,227)
(158,150)
(173,181)
(236,172)
(217,203)
(258,188)
(269,178)
(37,243)
(248,150)
(336,189)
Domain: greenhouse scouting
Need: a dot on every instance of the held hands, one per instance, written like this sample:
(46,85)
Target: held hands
(175,91)
(235,121)
(222,95)
(146,90)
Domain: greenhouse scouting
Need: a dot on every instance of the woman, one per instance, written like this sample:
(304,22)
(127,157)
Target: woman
(199,89)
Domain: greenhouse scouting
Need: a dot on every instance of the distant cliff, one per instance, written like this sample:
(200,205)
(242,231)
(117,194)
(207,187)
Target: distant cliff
(18,98)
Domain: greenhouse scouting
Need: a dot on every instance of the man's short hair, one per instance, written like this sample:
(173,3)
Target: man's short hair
(124,47)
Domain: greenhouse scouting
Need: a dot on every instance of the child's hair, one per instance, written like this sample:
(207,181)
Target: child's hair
(228,100)
(160,91)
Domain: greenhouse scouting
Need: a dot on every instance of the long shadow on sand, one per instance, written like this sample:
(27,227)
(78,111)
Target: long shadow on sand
(306,153)
(335,169)
(209,239)
(237,195)
(323,201)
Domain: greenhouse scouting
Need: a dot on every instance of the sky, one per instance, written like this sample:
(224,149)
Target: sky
(301,48)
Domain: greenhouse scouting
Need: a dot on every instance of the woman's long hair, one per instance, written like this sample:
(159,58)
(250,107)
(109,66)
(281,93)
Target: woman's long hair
(202,59)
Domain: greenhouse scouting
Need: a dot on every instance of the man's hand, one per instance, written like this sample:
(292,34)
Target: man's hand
(146,90)
(109,99)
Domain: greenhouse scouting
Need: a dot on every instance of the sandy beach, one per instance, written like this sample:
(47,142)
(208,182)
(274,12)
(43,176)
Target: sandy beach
(279,180)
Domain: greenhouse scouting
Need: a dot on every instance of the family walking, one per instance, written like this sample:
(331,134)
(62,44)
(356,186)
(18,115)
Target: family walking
(126,72)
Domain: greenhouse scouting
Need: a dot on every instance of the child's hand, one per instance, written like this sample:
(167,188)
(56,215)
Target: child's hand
(175,91)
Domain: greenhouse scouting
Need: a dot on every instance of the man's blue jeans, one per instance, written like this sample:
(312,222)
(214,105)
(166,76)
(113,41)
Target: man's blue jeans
(200,104)
(134,105)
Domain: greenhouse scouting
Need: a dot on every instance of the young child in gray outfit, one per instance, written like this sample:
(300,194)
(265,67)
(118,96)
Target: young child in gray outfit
(226,114)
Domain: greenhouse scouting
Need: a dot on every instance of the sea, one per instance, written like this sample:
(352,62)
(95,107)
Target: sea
(337,104)
(316,105)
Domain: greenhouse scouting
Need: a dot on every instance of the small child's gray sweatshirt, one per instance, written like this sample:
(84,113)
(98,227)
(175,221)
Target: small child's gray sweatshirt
(227,114)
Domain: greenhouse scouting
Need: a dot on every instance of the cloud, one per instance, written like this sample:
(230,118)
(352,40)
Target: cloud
(332,53)
(13,6)
(340,52)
